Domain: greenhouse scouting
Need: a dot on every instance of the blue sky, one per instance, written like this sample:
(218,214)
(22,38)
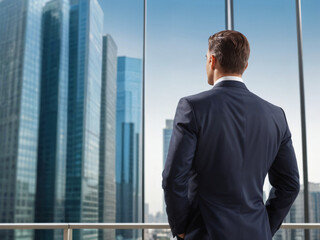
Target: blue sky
(177,35)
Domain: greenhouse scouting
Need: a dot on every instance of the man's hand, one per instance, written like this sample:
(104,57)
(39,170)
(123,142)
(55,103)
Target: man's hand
(181,235)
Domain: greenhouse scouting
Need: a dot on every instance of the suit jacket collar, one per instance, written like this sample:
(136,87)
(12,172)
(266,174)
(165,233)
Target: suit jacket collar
(230,83)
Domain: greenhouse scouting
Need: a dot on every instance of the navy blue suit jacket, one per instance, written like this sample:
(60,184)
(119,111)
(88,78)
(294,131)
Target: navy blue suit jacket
(224,142)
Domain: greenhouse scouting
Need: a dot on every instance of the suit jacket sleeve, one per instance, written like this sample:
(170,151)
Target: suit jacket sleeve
(178,164)
(284,178)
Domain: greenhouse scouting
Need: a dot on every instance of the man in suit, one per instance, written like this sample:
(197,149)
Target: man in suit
(224,142)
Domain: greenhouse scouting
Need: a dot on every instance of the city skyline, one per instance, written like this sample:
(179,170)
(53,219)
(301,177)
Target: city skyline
(185,28)
(175,67)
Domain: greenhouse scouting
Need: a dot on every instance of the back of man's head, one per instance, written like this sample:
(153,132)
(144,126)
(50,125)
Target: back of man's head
(231,49)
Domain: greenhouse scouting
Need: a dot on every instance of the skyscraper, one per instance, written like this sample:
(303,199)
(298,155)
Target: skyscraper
(167,132)
(314,211)
(85,61)
(107,185)
(52,142)
(128,144)
(20,39)
(296,215)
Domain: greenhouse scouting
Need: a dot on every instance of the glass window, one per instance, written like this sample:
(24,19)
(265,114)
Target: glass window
(311,61)
(272,72)
(177,42)
(123,24)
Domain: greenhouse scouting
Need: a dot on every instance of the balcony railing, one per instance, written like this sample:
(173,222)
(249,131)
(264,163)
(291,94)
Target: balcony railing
(68,227)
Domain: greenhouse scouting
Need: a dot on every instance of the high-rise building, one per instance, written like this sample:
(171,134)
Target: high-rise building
(20,61)
(107,182)
(85,61)
(52,140)
(314,208)
(128,145)
(296,215)
(167,132)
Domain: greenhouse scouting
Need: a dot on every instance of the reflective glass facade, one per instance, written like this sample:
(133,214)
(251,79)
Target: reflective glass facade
(52,142)
(20,39)
(85,56)
(128,133)
(107,183)
(167,132)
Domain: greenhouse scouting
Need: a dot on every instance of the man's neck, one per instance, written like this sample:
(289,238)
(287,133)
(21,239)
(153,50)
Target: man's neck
(220,75)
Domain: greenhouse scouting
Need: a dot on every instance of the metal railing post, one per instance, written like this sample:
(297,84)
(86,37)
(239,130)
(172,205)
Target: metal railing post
(67,233)
(68,227)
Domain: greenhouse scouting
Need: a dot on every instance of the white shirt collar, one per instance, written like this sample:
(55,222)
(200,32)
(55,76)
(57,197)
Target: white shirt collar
(228,78)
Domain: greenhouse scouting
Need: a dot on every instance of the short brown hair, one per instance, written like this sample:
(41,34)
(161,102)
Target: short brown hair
(232,50)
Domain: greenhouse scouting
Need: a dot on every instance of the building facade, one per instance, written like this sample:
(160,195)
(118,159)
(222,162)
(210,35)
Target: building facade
(20,61)
(128,142)
(52,140)
(85,61)
(167,132)
(296,215)
(107,182)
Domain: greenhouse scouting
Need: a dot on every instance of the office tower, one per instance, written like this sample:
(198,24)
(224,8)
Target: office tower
(20,39)
(314,208)
(146,212)
(107,184)
(128,145)
(52,139)
(167,132)
(296,215)
(85,61)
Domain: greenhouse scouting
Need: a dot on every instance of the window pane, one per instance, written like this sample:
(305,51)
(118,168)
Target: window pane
(70,115)
(311,59)
(177,42)
(124,22)
(272,73)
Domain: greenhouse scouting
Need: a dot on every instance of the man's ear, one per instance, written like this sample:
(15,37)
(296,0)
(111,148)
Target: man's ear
(212,62)
(246,66)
